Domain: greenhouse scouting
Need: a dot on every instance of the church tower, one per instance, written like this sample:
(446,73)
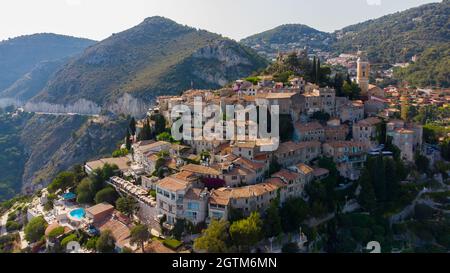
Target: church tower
(363,72)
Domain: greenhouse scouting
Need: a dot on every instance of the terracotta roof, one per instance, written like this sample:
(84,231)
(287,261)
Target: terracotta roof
(220,196)
(172,184)
(283,173)
(372,121)
(121,162)
(200,169)
(119,230)
(305,169)
(153,145)
(245,144)
(280,95)
(99,208)
(310,126)
(290,146)
(320,171)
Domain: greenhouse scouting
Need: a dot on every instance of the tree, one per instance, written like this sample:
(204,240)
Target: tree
(84,193)
(132,126)
(108,195)
(108,171)
(366,198)
(35,229)
(314,70)
(146,132)
(126,205)
(165,136)
(106,242)
(139,234)
(246,232)
(351,90)
(292,213)
(272,219)
(422,162)
(128,141)
(160,123)
(214,238)
(62,181)
(120,152)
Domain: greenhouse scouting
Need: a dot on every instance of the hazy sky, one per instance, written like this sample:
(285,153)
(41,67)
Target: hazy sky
(98,19)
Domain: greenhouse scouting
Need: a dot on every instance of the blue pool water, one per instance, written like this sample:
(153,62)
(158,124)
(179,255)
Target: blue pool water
(78,213)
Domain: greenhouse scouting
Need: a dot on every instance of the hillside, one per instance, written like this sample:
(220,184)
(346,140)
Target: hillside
(288,37)
(32,82)
(154,58)
(20,55)
(398,37)
(431,69)
(36,147)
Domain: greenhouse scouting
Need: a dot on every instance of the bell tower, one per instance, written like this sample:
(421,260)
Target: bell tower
(363,72)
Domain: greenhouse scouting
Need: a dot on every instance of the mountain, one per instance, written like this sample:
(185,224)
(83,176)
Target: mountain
(35,147)
(20,55)
(431,69)
(288,37)
(32,82)
(156,57)
(399,36)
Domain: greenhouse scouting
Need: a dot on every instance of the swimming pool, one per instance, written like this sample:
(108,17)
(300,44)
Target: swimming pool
(78,214)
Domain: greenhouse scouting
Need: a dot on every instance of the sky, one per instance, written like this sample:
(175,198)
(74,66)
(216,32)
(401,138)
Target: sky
(236,19)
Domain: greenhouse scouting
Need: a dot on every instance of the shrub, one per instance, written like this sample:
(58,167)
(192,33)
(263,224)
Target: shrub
(172,243)
(56,232)
(68,239)
(12,226)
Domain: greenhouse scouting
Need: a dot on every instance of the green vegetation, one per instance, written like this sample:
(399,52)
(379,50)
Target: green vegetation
(63,181)
(11,158)
(431,69)
(35,229)
(89,188)
(380,182)
(56,232)
(140,234)
(127,205)
(173,244)
(106,242)
(108,195)
(399,36)
(246,232)
(289,33)
(9,242)
(120,152)
(214,238)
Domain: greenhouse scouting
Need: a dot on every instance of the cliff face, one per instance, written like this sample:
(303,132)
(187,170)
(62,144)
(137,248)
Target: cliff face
(59,142)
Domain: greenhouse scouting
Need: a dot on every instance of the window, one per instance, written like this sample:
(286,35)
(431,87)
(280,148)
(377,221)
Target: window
(193,206)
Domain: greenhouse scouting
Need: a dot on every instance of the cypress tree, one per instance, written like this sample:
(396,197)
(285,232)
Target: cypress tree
(313,72)
(128,141)
(133,126)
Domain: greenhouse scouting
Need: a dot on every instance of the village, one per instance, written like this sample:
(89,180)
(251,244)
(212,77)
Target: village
(198,181)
